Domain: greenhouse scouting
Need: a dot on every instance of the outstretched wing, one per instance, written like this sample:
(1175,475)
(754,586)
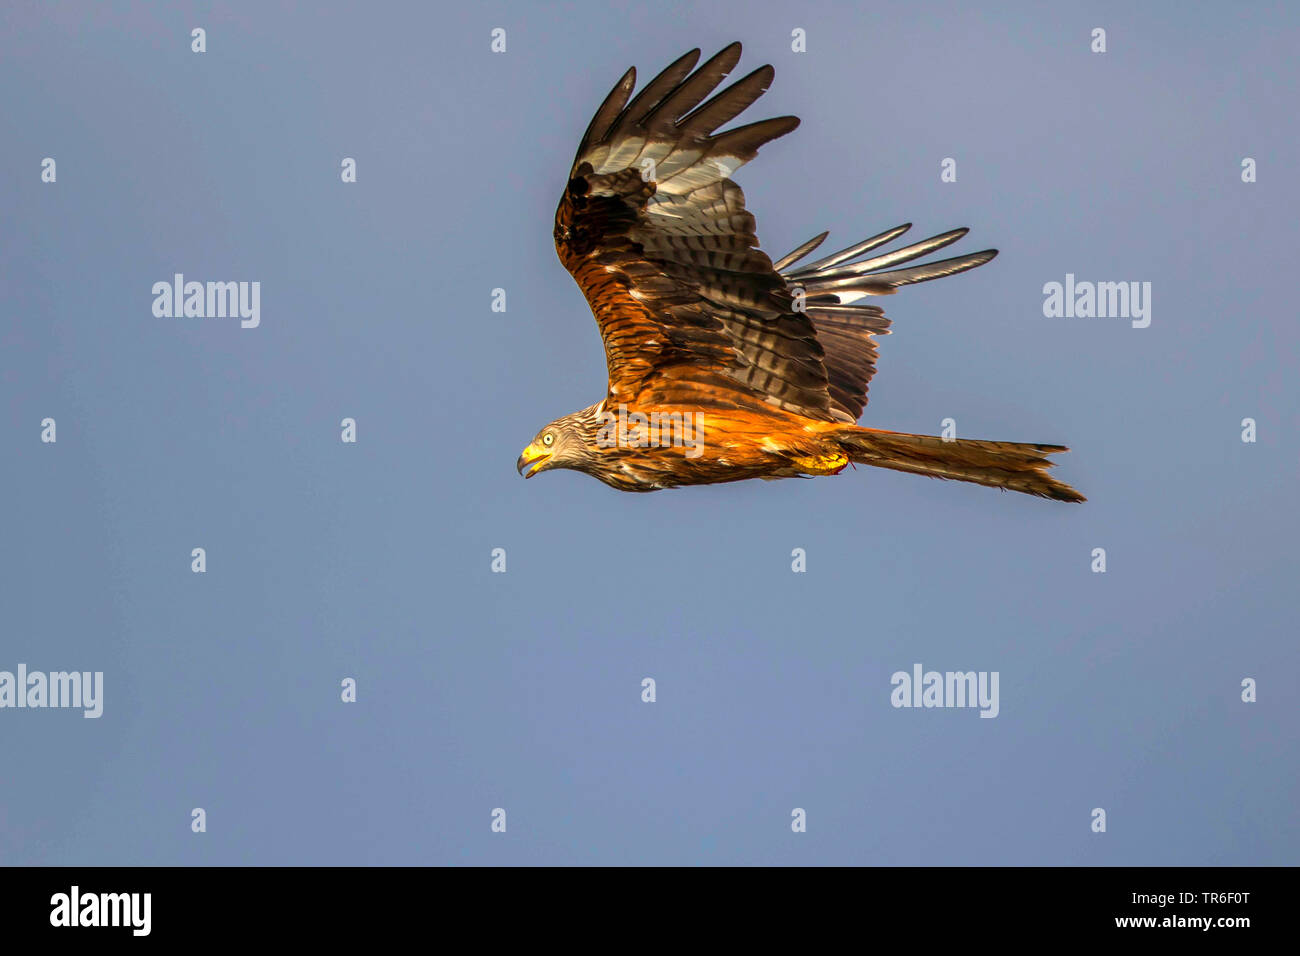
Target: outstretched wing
(657,236)
(831,286)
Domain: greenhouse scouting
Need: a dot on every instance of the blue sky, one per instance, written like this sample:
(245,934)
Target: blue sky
(522,690)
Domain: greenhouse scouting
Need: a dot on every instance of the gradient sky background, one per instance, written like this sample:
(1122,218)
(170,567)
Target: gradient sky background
(481,690)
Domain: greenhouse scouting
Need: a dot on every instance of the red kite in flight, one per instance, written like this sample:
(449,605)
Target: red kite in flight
(722,364)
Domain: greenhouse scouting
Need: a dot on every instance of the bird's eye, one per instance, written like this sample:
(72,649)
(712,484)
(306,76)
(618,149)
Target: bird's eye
(548,440)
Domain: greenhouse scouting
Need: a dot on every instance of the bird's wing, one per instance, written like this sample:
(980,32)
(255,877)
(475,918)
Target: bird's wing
(658,238)
(832,284)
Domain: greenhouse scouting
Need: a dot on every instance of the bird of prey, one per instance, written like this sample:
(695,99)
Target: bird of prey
(724,365)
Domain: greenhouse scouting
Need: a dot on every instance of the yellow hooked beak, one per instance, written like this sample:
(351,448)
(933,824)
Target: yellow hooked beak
(534,454)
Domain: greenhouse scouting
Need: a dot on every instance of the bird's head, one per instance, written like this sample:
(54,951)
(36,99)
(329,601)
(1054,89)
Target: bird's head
(568,442)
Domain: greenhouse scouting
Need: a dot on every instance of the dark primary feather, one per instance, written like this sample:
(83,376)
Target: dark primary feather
(799,252)
(866,245)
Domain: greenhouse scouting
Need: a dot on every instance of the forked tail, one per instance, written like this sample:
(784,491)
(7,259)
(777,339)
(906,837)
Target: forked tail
(998,464)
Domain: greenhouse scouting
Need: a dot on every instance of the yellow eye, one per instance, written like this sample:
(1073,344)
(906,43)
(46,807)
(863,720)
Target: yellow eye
(548,440)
